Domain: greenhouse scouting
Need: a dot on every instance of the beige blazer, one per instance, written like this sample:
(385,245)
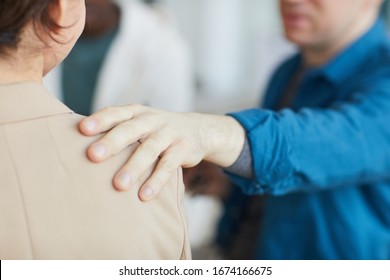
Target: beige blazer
(55,204)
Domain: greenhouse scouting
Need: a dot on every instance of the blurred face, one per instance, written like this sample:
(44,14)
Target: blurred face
(71,16)
(321,23)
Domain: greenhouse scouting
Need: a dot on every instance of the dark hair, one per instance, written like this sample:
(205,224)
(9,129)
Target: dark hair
(15,14)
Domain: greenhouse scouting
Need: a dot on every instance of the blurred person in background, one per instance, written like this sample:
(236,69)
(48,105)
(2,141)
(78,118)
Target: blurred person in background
(127,53)
(319,149)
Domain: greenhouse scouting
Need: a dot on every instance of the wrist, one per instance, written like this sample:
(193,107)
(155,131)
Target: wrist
(225,139)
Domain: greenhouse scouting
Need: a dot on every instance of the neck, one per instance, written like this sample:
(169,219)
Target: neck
(318,55)
(13,69)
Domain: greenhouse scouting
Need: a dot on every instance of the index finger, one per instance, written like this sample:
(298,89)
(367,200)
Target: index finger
(107,118)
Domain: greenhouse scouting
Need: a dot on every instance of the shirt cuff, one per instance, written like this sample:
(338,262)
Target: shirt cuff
(243,166)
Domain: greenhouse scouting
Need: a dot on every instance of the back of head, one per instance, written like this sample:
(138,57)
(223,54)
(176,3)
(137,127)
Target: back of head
(16,14)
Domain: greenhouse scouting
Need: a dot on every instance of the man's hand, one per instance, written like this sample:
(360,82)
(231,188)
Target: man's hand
(173,140)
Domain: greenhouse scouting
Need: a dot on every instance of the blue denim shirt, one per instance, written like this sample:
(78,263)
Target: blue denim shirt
(325,162)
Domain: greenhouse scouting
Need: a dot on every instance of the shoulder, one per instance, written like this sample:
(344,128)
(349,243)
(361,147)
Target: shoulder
(376,71)
(283,71)
(92,184)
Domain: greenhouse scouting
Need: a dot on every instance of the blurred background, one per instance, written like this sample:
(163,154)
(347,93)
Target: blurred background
(235,46)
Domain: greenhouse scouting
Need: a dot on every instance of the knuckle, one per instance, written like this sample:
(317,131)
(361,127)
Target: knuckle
(113,112)
(133,106)
(109,109)
(172,132)
(151,148)
(136,107)
(127,126)
(158,182)
(166,166)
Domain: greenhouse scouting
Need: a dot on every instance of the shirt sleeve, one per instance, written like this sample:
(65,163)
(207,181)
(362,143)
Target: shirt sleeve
(311,149)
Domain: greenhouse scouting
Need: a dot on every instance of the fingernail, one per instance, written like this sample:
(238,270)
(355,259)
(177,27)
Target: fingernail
(90,124)
(147,192)
(124,179)
(99,150)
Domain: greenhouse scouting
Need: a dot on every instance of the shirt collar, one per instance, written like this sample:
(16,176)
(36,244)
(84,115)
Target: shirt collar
(26,101)
(350,60)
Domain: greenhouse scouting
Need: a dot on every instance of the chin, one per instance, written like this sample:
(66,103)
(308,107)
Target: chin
(297,38)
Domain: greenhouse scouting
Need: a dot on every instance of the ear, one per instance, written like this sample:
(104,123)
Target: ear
(66,15)
(58,12)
